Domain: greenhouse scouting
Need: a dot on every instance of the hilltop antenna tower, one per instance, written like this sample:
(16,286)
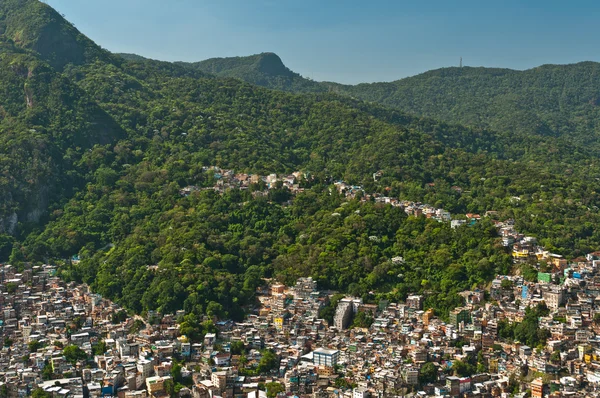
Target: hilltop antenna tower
(460,62)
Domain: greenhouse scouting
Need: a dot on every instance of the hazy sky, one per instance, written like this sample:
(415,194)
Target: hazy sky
(347,41)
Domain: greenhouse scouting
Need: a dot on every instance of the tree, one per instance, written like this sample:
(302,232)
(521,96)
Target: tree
(40,393)
(530,274)
(462,369)
(428,373)
(169,387)
(274,388)
(99,348)
(11,287)
(193,329)
(267,362)
(237,347)
(506,284)
(47,373)
(34,345)
(528,331)
(73,354)
(362,319)
(176,372)
(138,325)
(119,317)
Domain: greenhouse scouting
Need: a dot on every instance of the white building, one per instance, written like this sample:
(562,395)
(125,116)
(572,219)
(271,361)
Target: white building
(325,357)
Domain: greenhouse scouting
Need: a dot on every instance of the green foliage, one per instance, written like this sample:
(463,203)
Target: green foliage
(11,287)
(118,317)
(463,369)
(274,388)
(328,311)
(428,373)
(264,69)
(362,319)
(176,372)
(528,331)
(99,348)
(34,345)
(169,387)
(530,274)
(73,354)
(40,393)
(193,329)
(35,25)
(507,284)
(268,362)
(137,326)
(95,149)
(47,373)
(237,347)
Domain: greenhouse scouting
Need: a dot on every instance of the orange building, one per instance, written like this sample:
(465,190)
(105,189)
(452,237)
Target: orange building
(537,388)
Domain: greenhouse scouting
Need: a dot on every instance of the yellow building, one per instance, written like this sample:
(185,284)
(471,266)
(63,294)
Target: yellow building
(156,384)
(427,316)
(524,253)
(325,371)
(278,321)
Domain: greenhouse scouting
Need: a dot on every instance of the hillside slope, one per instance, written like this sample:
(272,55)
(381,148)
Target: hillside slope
(36,26)
(550,100)
(555,100)
(265,69)
(46,123)
(116,141)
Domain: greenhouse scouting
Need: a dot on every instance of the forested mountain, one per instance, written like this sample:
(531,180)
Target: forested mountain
(96,148)
(46,123)
(550,100)
(35,26)
(264,69)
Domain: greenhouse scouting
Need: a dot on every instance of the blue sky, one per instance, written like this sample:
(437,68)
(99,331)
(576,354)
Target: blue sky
(347,41)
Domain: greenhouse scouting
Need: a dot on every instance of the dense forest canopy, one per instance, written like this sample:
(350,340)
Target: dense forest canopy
(96,149)
(550,100)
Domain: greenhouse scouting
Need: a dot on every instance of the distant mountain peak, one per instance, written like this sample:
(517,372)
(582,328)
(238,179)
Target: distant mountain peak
(34,25)
(267,63)
(271,64)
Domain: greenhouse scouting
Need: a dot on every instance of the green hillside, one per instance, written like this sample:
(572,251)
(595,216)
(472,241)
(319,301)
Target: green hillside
(264,69)
(46,124)
(36,26)
(551,100)
(95,150)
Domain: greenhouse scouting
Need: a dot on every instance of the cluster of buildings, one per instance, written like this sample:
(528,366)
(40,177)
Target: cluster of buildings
(228,179)
(69,342)
(41,317)
(388,358)
(416,209)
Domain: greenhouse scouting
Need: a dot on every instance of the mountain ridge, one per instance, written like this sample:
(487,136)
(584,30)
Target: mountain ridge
(34,25)
(541,101)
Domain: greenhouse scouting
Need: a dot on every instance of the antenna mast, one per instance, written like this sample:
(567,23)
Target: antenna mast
(461,62)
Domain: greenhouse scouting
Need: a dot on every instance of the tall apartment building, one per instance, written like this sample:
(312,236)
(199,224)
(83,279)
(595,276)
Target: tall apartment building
(343,315)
